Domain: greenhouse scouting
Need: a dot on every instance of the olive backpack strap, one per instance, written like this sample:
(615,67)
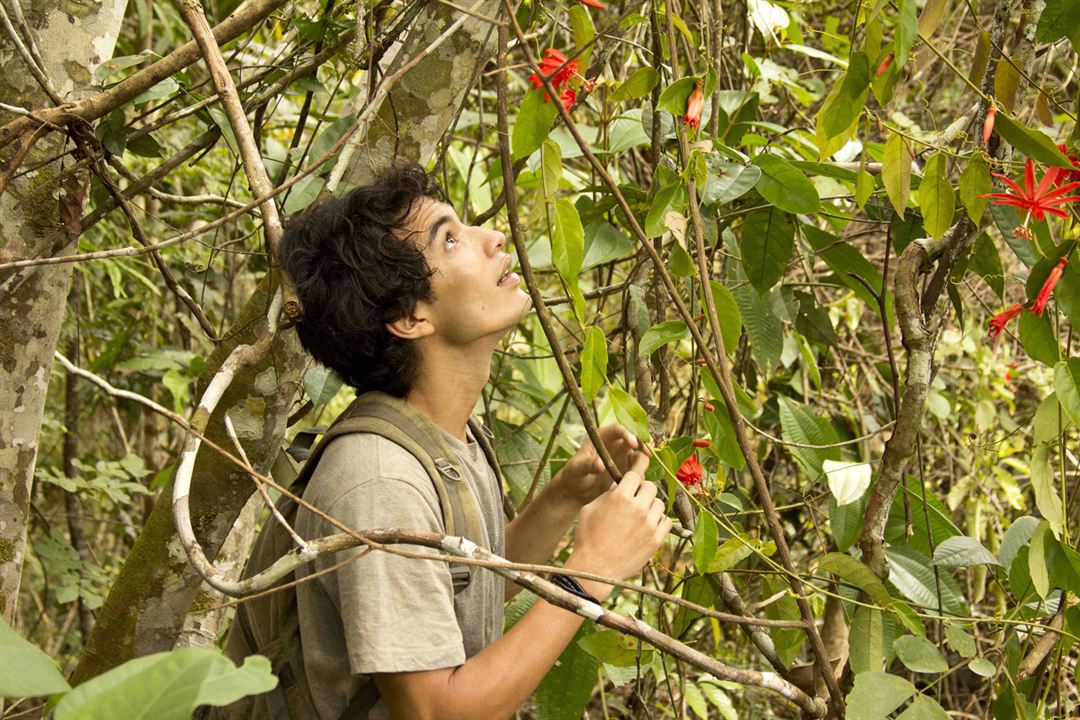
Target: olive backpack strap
(483,439)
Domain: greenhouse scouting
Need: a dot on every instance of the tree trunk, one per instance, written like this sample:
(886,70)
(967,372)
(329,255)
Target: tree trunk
(73,40)
(148,603)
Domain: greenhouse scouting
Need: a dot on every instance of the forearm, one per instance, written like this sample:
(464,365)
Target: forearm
(537,530)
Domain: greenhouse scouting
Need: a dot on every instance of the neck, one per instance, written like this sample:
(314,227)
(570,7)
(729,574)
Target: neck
(449,383)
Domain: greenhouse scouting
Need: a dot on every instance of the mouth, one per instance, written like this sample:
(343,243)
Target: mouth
(507,276)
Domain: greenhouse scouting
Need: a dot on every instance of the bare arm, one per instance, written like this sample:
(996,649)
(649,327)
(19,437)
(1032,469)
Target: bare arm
(617,534)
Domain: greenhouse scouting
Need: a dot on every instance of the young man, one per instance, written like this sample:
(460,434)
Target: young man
(400,296)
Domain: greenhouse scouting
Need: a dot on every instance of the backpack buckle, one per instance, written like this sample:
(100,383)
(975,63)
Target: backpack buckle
(447,469)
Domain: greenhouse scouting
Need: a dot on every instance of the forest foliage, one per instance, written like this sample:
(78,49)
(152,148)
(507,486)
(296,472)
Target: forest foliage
(818,255)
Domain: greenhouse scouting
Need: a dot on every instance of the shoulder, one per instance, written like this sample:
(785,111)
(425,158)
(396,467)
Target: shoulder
(366,464)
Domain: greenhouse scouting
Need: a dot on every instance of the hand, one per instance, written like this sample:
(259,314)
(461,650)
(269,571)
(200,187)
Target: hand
(584,477)
(620,530)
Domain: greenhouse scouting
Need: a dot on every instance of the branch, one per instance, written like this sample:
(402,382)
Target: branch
(258,180)
(128,89)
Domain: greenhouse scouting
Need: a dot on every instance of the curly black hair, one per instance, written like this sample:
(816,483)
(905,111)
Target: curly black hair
(355,271)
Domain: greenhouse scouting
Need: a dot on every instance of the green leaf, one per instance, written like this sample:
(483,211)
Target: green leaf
(858,574)
(1042,482)
(963,551)
(728,181)
(321,384)
(866,640)
(25,671)
(614,648)
(766,243)
(594,360)
(919,654)
(937,200)
(985,262)
(668,199)
(924,707)
(629,413)
(975,181)
(533,123)
(303,194)
(1060,18)
(676,95)
(764,330)
(550,168)
(896,171)
(166,685)
(1033,143)
(145,146)
(1038,338)
(798,424)
(583,31)
(565,690)
(568,250)
(637,85)
(907,29)
(960,640)
(843,108)
(1037,567)
(983,667)
(162,89)
(1067,388)
(727,312)
(1017,536)
(913,575)
(931,16)
(732,552)
(876,694)
(705,539)
(785,186)
(661,334)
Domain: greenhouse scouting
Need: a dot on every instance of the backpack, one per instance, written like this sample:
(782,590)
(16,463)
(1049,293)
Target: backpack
(401,423)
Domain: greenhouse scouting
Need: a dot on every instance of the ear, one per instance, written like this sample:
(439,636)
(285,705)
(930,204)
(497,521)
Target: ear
(412,326)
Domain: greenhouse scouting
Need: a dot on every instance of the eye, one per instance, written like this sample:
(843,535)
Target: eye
(449,241)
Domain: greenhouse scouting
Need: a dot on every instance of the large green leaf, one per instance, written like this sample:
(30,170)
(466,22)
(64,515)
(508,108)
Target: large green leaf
(1042,482)
(614,648)
(975,181)
(799,425)
(923,707)
(907,29)
(876,694)
(985,262)
(533,123)
(637,85)
(629,412)
(866,640)
(727,312)
(1060,18)
(1067,388)
(843,107)
(766,244)
(565,690)
(1033,143)
(26,671)
(1038,338)
(1017,536)
(166,685)
(705,539)
(963,551)
(764,330)
(668,199)
(594,360)
(919,655)
(912,573)
(896,171)
(727,181)
(785,186)
(568,250)
(676,95)
(937,200)
(661,334)
(858,574)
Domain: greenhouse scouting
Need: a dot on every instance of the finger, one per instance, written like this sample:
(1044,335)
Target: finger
(646,492)
(641,463)
(630,483)
(655,513)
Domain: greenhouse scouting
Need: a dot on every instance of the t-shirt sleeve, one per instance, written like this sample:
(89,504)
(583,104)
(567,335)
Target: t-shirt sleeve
(398,613)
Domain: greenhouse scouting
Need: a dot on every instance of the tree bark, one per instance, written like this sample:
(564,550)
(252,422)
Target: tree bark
(148,603)
(36,218)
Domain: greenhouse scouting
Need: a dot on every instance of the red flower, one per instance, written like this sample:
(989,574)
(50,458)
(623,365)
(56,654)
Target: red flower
(568,97)
(690,472)
(1048,286)
(988,124)
(700,442)
(1036,200)
(998,322)
(594,4)
(1072,175)
(694,106)
(884,66)
(709,406)
(554,66)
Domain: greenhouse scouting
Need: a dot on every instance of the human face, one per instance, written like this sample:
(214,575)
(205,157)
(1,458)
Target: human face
(476,294)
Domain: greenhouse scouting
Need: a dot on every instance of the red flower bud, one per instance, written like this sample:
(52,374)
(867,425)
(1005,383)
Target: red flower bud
(594,4)
(1048,286)
(709,406)
(694,107)
(988,124)
(700,442)
(998,322)
(884,66)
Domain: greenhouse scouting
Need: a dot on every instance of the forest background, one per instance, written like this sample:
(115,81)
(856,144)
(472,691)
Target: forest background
(769,237)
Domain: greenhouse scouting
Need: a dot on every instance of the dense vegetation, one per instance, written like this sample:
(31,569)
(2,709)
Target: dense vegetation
(818,254)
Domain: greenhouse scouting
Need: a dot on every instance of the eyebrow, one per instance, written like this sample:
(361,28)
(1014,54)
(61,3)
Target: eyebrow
(437,225)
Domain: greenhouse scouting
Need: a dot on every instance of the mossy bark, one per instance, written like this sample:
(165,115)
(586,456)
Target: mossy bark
(73,38)
(147,605)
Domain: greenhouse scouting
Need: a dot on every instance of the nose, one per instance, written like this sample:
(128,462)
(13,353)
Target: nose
(497,241)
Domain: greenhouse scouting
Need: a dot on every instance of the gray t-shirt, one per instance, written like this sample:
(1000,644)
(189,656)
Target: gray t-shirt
(385,613)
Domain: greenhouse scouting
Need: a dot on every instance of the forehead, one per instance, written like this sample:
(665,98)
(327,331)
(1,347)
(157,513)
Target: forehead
(427,215)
